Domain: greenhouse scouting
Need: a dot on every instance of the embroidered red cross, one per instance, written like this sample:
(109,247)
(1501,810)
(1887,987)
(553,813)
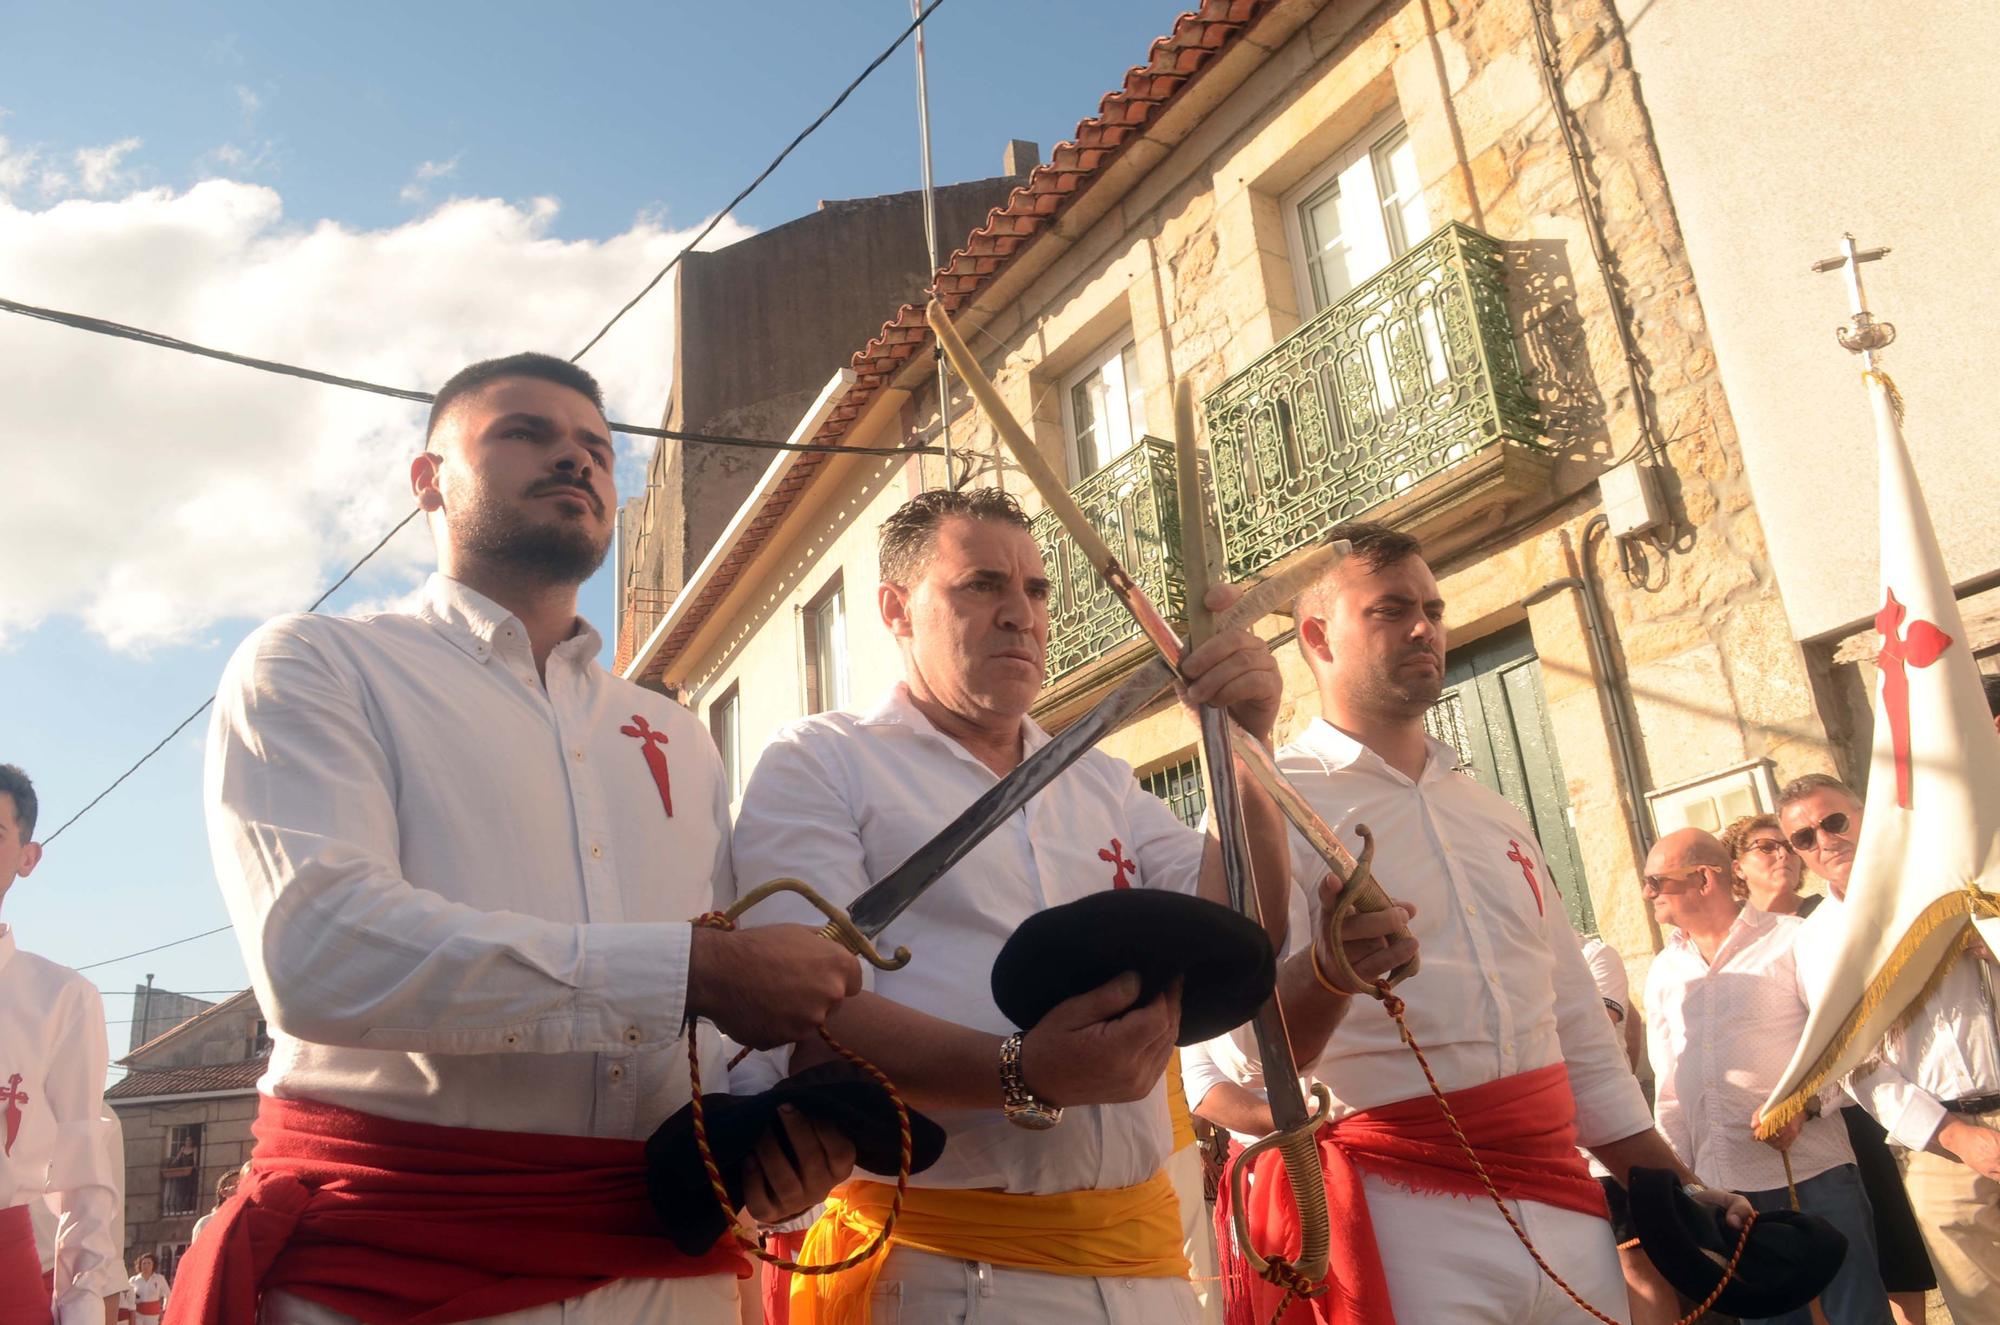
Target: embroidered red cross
(1527,864)
(1924,645)
(15,1098)
(1114,855)
(656,758)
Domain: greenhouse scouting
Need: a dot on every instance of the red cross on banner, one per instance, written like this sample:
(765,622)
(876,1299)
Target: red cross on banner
(15,1098)
(656,758)
(1924,645)
(1527,864)
(1114,855)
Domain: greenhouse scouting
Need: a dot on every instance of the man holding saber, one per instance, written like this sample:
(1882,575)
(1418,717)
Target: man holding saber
(1050,1203)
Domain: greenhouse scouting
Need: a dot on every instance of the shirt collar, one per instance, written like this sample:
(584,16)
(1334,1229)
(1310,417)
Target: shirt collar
(471,620)
(6,945)
(1748,918)
(1336,750)
(897,709)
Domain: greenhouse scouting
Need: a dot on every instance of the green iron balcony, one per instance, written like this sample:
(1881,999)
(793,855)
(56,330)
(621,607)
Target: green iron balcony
(1131,503)
(1411,374)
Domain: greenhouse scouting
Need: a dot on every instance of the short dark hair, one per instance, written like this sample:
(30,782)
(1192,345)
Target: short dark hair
(1807,783)
(1990,682)
(1373,545)
(910,535)
(15,785)
(546,367)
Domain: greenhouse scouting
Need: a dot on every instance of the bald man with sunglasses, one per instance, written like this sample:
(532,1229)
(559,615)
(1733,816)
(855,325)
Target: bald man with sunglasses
(1935,1086)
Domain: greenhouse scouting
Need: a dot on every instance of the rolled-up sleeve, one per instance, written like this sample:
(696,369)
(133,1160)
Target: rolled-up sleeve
(1609,1104)
(86,1182)
(346,951)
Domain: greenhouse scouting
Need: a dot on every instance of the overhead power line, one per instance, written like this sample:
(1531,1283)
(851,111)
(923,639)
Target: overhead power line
(91,966)
(160,340)
(762,175)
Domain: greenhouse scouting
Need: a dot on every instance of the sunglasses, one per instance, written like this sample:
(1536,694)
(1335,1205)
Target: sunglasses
(1767,846)
(1658,883)
(1834,824)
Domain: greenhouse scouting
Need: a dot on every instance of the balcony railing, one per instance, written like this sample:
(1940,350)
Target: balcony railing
(1412,372)
(1131,502)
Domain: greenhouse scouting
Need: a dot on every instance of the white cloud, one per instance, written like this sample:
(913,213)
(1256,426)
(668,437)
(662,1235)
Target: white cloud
(99,169)
(414,191)
(247,100)
(153,493)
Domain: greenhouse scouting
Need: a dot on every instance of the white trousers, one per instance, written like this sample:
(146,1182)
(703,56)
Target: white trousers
(1453,1259)
(917,1288)
(1197,1231)
(710,1300)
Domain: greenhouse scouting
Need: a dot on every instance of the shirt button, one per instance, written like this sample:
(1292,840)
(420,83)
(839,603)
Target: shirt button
(617,1073)
(595,851)
(577,753)
(512,1039)
(632,1035)
(1471,910)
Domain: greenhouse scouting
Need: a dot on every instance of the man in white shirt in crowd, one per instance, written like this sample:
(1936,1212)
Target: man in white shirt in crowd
(462,859)
(56,1141)
(1503,1005)
(1724,1012)
(1935,1085)
(1051,1202)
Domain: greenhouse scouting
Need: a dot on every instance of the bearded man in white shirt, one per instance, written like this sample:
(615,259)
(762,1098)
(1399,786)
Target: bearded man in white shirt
(462,859)
(1504,1005)
(1051,1202)
(1935,1085)
(56,1141)
(1724,1012)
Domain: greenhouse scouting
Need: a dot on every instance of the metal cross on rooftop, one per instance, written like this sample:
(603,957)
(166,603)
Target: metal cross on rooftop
(1864,335)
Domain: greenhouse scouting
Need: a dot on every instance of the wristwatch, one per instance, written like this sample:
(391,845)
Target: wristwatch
(1017,1102)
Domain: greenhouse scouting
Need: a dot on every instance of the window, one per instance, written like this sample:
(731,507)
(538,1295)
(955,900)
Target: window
(1356,215)
(168,1257)
(260,1038)
(1180,785)
(180,1175)
(1104,411)
(724,721)
(824,622)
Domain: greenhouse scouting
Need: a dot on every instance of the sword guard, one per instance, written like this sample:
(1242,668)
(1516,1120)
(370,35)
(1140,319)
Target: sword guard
(1300,1148)
(838,926)
(1362,893)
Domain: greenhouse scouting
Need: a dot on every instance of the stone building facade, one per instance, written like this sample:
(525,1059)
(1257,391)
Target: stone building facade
(185,1106)
(1421,263)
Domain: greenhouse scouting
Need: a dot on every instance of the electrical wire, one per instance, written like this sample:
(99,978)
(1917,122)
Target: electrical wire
(91,966)
(763,175)
(160,340)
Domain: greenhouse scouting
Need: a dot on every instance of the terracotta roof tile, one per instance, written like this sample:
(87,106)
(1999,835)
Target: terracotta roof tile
(1172,62)
(149,1081)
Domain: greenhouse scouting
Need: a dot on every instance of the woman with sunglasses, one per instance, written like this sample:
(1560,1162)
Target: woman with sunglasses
(1765,871)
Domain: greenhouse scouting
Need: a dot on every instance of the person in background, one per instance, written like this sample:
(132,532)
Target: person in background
(225,1187)
(150,1290)
(1934,1091)
(1226,1090)
(58,1149)
(1766,872)
(1724,1013)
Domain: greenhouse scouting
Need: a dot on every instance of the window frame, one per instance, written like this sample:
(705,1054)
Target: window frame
(1110,350)
(1363,146)
(815,696)
(730,701)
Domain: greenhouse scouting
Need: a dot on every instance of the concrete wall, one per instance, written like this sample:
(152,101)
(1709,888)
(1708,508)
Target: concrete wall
(1778,134)
(227,1036)
(1193,262)
(157,1011)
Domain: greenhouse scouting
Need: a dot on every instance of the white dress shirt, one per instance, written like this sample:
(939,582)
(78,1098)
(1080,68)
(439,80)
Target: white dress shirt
(841,799)
(148,1288)
(1502,988)
(66,1147)
(1607,970)
(1948,1049)
(1720,1034)
(1206,1065)
(457,889)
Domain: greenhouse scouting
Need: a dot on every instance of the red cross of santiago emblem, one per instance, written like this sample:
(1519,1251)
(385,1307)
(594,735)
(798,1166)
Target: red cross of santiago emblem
(1527,864)
(1114,855)
(15,1098)
(651,743)
(1924,645)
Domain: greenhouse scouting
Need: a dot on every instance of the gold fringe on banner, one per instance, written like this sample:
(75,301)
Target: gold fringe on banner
(1888,385)
(1961,906)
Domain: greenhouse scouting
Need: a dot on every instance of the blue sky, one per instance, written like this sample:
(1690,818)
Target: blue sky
(358,189)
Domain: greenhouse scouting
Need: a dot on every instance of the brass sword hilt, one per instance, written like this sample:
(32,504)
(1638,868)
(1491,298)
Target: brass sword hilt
(1299,1147)
(839,927)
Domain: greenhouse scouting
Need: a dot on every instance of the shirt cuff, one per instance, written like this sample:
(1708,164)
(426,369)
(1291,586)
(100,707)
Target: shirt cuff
(1918,1125)
(1611,1111)
(638,976)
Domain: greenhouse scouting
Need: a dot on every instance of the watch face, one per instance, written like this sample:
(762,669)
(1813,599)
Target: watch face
(1034,1117)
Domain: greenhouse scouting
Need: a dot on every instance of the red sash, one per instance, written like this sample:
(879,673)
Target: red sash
(24,1294)
(1523,1128)
(414,1224)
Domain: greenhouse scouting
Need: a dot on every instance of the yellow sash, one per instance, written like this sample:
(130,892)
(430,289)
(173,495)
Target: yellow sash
(1134,1232)
(1177,1105)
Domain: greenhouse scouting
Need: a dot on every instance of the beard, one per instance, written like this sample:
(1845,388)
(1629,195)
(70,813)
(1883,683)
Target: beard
(1405,694)
(502,536)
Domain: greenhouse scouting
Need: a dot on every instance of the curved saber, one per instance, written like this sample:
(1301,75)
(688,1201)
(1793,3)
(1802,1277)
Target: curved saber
(1359,890)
